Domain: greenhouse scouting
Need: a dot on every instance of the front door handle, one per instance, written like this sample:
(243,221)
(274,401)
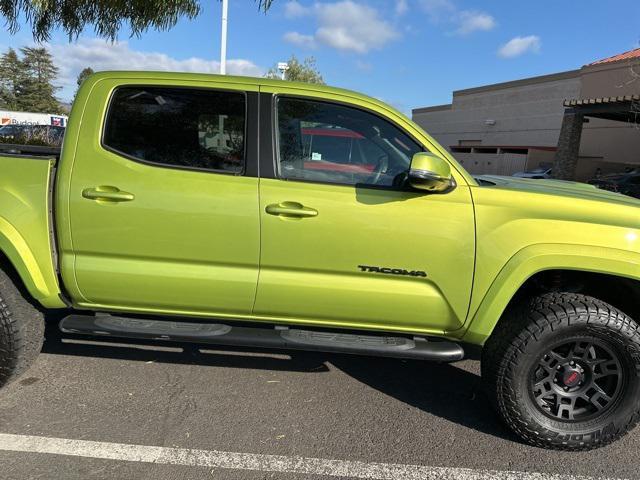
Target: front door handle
(107,194)
(290,209)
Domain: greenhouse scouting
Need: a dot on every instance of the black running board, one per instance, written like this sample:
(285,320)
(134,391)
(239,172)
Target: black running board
(418,348)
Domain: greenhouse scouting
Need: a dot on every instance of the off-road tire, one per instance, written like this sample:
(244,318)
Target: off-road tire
(522,337)
(21,330)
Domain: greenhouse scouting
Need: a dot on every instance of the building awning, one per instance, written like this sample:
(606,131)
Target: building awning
(622,109)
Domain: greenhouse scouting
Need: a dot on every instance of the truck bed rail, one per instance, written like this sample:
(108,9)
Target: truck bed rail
(29,150)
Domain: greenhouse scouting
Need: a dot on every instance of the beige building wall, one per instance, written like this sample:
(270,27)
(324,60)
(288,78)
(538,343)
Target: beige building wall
(524,112)
(529,113)
(615,142)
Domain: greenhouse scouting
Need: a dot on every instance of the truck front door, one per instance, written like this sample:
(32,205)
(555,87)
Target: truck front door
(344,241)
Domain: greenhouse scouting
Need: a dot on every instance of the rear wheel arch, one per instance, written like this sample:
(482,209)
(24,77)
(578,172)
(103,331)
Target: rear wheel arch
(20,260)
(16,253)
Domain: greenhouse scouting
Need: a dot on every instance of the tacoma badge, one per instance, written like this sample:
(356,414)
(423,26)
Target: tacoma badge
(392,271)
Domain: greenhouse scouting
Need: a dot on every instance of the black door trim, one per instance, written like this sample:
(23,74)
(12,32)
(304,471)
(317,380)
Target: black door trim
(267,144)
(251,168)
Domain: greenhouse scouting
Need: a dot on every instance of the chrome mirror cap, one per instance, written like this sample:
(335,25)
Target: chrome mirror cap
(430,173)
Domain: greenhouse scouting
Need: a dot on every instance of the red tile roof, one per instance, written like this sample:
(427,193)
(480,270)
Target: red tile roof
(635,53)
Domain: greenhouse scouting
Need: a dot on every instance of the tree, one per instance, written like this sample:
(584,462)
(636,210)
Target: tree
(11,79)
(82,76)
(305,71)
(106,16)
(37,92)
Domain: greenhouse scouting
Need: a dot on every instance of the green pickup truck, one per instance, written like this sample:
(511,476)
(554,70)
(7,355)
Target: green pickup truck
(261,213)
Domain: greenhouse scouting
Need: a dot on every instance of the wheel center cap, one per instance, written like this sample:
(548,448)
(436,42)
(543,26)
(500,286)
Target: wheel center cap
(571,378)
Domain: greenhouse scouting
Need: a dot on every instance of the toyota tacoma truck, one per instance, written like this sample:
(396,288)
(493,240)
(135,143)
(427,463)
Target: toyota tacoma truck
(262,213)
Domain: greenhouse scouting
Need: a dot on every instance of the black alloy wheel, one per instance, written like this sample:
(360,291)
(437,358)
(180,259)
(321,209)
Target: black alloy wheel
(577,380)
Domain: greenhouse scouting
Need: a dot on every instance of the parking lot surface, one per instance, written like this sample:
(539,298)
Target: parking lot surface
(92,410)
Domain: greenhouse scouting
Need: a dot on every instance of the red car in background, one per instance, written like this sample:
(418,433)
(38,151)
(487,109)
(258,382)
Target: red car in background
(337,150)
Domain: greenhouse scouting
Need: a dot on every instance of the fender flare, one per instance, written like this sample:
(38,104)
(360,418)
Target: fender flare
(537,258)
(23,260)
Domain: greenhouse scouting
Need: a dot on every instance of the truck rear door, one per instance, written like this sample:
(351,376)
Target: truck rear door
(163,199)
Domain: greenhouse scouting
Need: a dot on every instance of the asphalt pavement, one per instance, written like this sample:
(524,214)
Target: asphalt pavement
(97,410)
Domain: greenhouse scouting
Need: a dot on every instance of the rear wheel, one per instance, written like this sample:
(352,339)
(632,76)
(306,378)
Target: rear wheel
(563,371)
(21,330)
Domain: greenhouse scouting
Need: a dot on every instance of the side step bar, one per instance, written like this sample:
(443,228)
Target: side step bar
(106,325)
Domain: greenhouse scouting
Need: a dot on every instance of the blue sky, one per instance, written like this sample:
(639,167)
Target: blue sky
(410,53)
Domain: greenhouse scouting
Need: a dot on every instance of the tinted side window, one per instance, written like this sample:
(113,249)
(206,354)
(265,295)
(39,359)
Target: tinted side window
(332,143)
(178,127)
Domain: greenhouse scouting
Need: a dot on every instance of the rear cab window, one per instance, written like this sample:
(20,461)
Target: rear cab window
(178,127)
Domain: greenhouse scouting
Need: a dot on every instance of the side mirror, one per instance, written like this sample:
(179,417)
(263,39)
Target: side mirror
(431,173)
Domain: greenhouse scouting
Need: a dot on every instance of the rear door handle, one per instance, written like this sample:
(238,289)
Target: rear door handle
(291,209)
(108,194)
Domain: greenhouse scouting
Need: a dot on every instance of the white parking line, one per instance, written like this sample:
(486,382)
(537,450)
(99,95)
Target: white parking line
(257,462)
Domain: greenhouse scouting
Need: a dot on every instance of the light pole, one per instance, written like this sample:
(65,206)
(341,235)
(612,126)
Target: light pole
(282,68)
(223,41)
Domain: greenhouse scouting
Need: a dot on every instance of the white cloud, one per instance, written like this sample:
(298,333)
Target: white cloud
(293,9)
(350,26)
(437,9)
(98,54)
(306,41)
(472,21)
(520,45)
(346,25)
(402,7)
(466,21)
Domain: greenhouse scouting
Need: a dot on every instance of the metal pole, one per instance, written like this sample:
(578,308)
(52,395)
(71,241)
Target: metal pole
(282,68)
(223,41)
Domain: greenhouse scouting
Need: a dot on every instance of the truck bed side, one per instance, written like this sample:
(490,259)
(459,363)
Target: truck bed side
(25,224)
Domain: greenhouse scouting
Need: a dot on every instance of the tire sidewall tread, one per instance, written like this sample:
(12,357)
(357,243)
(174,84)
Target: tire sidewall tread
(21,330)
(523,332)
